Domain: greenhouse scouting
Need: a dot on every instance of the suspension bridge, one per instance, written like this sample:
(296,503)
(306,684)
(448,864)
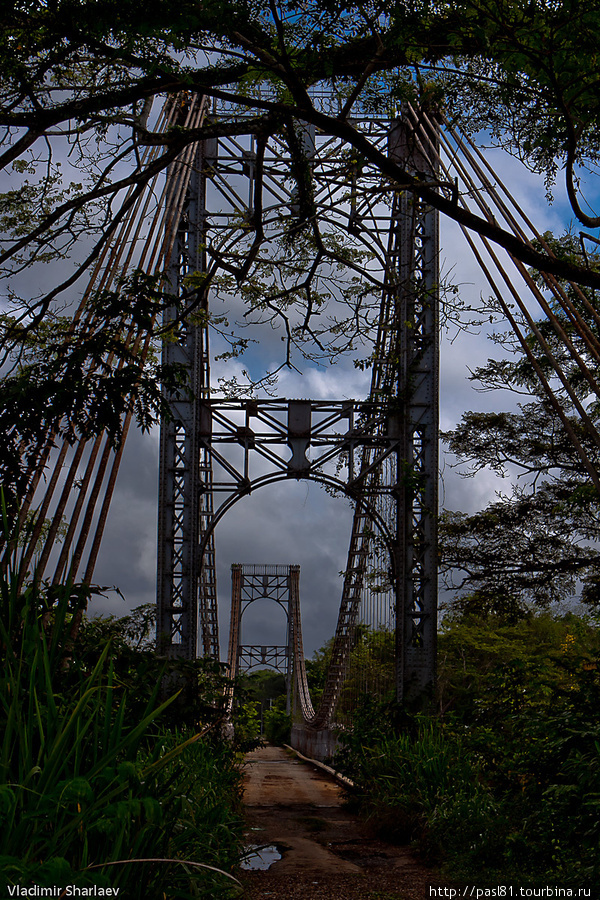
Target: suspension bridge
(225,211)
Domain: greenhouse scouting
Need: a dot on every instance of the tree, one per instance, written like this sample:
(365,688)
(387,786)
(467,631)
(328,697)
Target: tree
(539,543)
(64,381)
(74,69)
(509,767)
(83,75)
(79,126)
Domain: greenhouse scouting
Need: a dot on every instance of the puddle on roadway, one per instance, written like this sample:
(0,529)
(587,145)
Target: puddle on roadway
(260,857)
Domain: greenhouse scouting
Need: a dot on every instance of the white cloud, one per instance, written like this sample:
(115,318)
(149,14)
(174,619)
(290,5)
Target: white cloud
(296,522)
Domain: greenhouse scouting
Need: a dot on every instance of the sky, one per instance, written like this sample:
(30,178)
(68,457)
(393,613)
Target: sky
(297,522)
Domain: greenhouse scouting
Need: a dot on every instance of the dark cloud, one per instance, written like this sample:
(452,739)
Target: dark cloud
(297,522)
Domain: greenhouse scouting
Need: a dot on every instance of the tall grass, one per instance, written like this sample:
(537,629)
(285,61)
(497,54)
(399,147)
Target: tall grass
(85,787)
(403,781)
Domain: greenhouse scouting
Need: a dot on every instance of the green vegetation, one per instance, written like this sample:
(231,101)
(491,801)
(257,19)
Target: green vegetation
(370,671)
(77,87)
(97,786)
(260,708)
(536,544)
(526,73)
(505,781)
(278,725)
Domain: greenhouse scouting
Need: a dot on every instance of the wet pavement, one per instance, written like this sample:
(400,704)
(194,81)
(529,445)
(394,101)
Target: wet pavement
(327,853)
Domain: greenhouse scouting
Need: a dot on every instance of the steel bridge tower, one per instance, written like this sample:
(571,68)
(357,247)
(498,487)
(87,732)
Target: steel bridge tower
(250,583)
(386,447)
(186,583)
(222,205)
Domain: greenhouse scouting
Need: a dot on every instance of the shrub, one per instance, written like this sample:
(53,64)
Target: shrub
(511,771)
(278,726)
(88,786)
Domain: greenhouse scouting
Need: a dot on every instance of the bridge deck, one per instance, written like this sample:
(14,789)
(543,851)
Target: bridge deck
(328,854)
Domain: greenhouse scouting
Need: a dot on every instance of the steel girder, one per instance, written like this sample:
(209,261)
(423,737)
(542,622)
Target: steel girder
(186,584)
(414,258)
(257,582)
(386,448)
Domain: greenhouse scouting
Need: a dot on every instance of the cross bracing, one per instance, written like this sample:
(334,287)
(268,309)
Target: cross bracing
(250,583)
(249,442)
(245,194)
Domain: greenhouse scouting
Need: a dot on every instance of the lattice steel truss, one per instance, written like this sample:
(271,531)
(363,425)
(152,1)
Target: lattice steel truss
(414,257)
(262,582)
(382,452)
(230,206)
(186,583)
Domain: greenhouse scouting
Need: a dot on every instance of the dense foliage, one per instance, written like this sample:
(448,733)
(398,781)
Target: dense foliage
(538,543)
(511,766)
(260,708)
(81,82)
(96,786)
(527,72)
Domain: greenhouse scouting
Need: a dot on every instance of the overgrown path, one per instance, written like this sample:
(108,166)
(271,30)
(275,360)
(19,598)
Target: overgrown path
(327,853)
